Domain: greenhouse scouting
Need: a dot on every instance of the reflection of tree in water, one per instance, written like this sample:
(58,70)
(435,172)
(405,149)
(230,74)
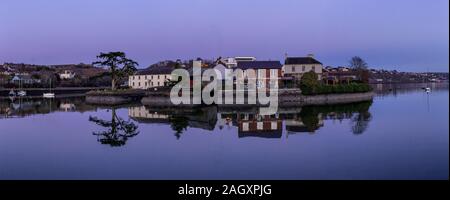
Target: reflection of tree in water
(119,130)
(361,122)
(310,118)
(178,124)
(310,115)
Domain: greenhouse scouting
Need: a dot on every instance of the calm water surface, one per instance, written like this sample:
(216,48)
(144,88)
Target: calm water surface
(402,134)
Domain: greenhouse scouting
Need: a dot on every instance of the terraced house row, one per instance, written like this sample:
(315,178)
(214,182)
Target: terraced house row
(287,73)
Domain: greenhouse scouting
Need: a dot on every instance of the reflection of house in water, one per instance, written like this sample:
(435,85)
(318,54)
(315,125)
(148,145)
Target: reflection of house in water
(267,126)
(204,118)
(141,114)
(252,124)
(19,108)
(23,107)
(66,107)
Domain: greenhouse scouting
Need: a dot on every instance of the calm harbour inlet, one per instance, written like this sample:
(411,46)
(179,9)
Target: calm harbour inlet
(401,134)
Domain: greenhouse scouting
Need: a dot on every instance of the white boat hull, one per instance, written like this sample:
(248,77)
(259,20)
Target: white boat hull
(22,93)
(49,95)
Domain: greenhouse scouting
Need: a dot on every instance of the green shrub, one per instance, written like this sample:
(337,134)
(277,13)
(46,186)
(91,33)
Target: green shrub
(334,89)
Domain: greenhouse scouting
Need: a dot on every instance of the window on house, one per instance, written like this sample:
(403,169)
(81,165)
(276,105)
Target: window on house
(293,68)
(245,126)
(259,125)
(274,125)
(303,68)
(260,84)
(314,68)
(261,73)
(139,84)
(274,72)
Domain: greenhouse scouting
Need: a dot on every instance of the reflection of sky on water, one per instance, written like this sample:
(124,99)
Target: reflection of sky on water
(406,138)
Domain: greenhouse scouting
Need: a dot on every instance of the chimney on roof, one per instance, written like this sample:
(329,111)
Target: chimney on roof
(310,55)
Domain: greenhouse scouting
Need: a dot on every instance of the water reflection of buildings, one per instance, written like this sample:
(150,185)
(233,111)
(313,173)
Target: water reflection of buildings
(248,122)
(256,125)
(179,119)
(66,107)
(142,115)
(23,107)
(251,124)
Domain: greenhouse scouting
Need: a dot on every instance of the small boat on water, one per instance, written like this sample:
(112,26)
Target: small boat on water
(427,89)
(12,93)
(22,93)
(48,95)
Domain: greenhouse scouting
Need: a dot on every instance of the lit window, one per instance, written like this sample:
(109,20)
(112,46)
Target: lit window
(245,126)
(274,125)
(261,73)
(259,125)
(274,72)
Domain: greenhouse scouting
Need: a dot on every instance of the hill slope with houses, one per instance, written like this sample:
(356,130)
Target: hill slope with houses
(69,75)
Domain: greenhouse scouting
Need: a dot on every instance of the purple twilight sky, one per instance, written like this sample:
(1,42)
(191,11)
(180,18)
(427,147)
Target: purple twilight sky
(407,35)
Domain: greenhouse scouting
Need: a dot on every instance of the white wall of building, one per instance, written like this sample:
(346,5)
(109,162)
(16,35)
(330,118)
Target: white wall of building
(148,81)
(298,70)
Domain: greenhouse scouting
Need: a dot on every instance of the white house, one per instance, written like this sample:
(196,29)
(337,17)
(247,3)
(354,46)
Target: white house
(150,78)
(297,66)
(67,74)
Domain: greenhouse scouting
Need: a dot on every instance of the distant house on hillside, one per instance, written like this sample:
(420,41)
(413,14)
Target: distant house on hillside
(24,79)
(340,77)
(296,66)
(150,78)
(67,74)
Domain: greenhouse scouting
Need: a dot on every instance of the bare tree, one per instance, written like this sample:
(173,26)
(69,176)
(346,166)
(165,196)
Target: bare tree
(358,63)
(360,66)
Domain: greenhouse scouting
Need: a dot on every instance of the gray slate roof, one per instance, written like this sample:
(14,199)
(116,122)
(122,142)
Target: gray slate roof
(155,70)
(300,60)
(260,65)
